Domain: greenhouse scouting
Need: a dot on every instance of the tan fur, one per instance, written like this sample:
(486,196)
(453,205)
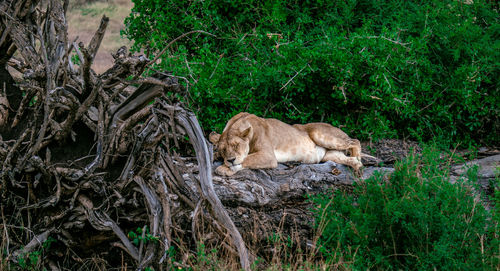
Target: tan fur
(252,142)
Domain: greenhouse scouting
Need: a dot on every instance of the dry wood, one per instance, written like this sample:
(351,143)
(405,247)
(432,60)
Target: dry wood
(108,168)
(193,129)
(34,243)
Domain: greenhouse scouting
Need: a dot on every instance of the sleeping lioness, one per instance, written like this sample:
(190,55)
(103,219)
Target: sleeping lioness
(252,142)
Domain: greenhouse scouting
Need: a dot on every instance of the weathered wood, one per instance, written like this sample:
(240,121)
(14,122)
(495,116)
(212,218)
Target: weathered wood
(11,12)
(37,241)
(193,129)
(101,221)
(120,122)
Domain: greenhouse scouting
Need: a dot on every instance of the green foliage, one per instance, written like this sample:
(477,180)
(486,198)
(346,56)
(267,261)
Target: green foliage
(33,101)
(214,259)
(31,260)
(143,235)
(206,261)
(76,59)
(381,68)
(414,219)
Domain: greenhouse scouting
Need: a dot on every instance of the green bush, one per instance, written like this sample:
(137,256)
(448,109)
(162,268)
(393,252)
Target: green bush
(416,219)
(390,68)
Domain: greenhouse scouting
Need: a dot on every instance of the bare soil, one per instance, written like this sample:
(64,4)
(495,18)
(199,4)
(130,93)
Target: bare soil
(83,19)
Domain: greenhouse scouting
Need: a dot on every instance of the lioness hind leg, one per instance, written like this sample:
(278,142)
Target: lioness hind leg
(355,148)
(260,159)
(340,158)
(332,138)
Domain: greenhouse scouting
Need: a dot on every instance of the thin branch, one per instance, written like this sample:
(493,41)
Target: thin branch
(404,44)
(175,40)
(98,36)
(291,79)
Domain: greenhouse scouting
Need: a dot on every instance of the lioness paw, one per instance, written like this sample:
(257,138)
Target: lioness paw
(224,171)
(236,168)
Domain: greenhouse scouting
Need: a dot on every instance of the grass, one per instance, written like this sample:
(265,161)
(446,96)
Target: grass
(84,18)
(414,219)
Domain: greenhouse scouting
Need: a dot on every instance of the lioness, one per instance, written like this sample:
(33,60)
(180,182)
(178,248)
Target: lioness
(252,142)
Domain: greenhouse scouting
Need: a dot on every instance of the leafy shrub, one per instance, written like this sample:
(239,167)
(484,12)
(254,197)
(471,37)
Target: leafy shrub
(32,260)
(142,235)
(391,68)
(416,219)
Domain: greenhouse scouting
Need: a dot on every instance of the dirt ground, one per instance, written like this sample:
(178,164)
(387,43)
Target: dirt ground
(83,20)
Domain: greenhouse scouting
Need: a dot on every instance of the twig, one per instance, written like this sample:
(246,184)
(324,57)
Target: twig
(35,242)
(90,168)
(175,40)
(216,65)
(25,101)
(97,38)
(291,79)
(384,38)
(6,163)
(46,109)
(165,202)
(101,221)
(5,232)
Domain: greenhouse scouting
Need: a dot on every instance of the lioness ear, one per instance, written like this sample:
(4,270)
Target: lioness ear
(246,132)
(214,137)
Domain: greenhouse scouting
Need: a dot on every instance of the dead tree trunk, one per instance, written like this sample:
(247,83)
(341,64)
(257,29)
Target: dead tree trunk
(87,159)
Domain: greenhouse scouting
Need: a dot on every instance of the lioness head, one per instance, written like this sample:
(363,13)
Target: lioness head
(233,145)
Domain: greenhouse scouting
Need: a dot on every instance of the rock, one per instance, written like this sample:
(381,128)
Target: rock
(488,170)
(489,167)
(389,150)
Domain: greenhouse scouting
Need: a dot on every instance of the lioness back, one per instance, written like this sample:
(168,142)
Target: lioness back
(292,144)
